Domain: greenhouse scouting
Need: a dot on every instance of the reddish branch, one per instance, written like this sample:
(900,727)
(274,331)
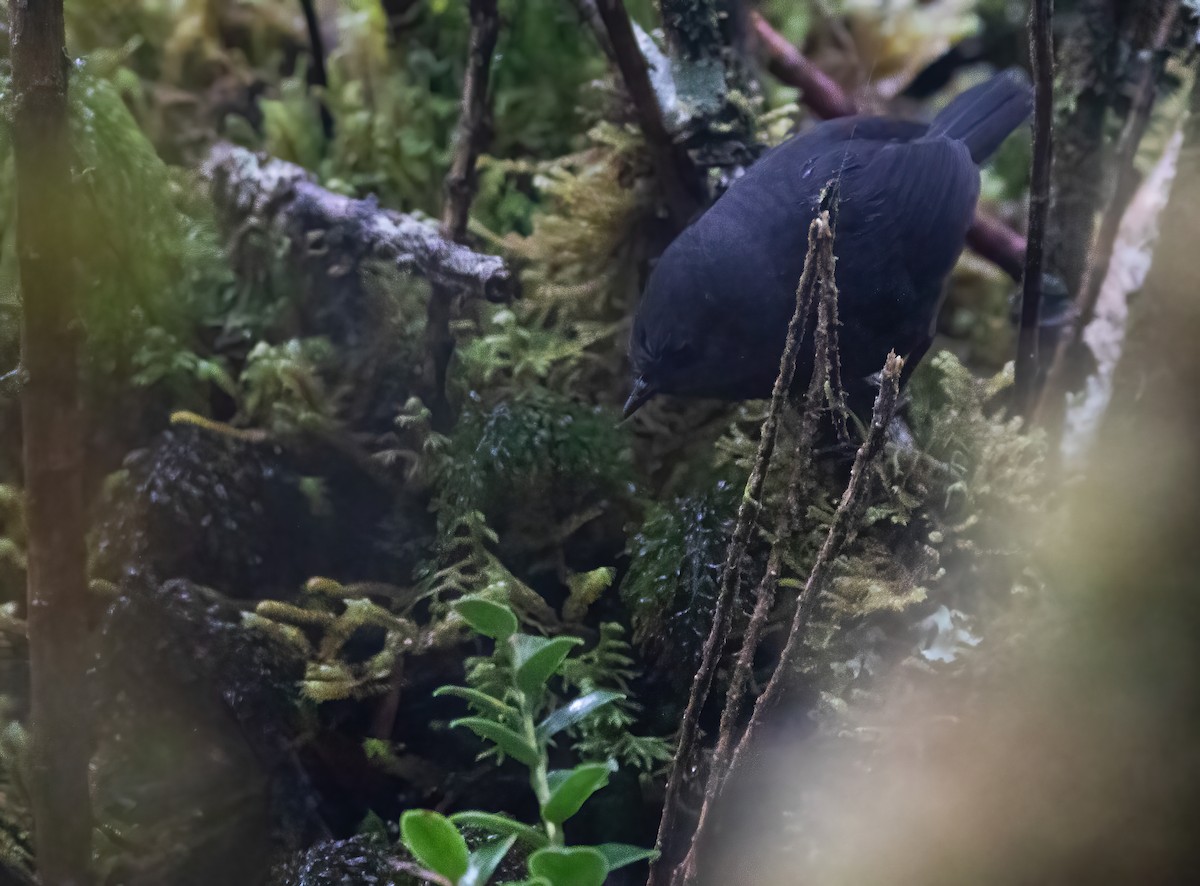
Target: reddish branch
(1041,52)
(474,132)
(989,237)
(53,448)
(818,90)
(676,173)
(1120,194)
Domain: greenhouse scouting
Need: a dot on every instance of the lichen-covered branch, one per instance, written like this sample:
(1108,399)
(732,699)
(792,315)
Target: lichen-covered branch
(1041,51)
(52,438)
(675,171)
(286,200)
(989,237)
(820,238)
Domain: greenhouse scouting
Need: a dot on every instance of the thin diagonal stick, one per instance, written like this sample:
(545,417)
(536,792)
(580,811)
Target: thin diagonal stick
(843,521)
(731,573)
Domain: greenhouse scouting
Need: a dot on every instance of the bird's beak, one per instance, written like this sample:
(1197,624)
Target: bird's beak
(642,391)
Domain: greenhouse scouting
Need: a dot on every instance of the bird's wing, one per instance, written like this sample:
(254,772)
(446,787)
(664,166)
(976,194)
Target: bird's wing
(917,200)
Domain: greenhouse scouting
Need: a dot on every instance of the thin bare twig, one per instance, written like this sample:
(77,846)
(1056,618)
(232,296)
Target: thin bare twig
(1041,51)
(989,237)
(475,123)
(1121,192)
(589,14)
(474,131)
(676,173)
(819,233)
(317,75)
(848,511)
(824,392)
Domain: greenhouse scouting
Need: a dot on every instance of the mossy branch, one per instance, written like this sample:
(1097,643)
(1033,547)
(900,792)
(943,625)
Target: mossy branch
(1063,369)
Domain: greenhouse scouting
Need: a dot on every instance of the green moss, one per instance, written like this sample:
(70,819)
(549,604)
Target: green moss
(539,459)
(150,265)
(673,579)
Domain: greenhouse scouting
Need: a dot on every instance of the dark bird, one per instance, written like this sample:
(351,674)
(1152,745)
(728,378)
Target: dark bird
(714,316)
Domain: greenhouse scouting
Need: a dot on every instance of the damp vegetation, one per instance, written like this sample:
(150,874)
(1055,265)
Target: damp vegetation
(377,585)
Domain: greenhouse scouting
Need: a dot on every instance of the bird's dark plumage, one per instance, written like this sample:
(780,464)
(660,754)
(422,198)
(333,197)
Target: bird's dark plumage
(714,315)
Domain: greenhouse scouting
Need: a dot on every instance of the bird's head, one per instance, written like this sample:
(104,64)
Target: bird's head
(670,355)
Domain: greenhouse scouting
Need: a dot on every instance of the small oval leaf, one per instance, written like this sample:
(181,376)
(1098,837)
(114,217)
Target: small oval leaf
(503,737)
(537,658)
(435,842)
(568,715)
(487,617)
(617,855)
(503,826)
(484,861)
(579,866)
(570,789)
(481,700)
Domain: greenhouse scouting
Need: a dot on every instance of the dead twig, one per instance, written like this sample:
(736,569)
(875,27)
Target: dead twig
(675,170)
(989,237)
(474,132)
(1041,51)
(589,14)
(819,242)
(824,392)
(848,511)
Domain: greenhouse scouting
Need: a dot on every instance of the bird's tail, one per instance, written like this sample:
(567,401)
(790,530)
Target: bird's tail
(985,115)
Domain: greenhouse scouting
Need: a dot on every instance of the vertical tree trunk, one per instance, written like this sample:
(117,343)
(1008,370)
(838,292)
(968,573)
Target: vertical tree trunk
(51,423)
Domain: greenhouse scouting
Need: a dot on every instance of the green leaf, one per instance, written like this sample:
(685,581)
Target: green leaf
(489,703)
(570,788)
(501,825)
(579,866)
(484,861)
(617,855)
(435,842)
(569,715)
(537,658)
(373,826)
(486,617)
(503,737)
